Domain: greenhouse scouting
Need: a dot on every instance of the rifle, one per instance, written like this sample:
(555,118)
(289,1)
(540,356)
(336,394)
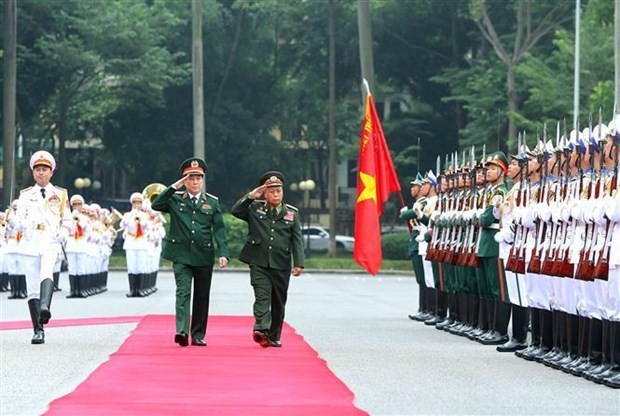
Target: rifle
(511,262)
(551,252)
(432,247)
(534,265)
(601,269)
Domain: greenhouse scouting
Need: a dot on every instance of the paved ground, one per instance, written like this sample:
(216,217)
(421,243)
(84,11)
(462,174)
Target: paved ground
(358,324)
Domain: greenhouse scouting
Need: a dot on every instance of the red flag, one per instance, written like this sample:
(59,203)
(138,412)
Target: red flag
(376,179)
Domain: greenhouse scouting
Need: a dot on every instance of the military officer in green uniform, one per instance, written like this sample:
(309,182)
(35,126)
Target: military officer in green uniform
(488,251)
(274,244)
(196,222)
(408,214)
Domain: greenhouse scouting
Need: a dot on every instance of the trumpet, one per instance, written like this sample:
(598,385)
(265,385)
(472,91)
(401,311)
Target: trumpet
(151,191)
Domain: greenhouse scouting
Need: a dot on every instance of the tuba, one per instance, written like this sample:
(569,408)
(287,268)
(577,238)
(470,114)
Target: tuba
(151,191)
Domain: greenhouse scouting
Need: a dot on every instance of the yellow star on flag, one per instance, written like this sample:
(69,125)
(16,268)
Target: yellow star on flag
(370,188)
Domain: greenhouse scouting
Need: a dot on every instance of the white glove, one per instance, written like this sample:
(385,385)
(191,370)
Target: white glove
(403,210)
(497,200)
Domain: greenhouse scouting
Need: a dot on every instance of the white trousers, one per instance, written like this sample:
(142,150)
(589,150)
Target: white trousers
(37,269)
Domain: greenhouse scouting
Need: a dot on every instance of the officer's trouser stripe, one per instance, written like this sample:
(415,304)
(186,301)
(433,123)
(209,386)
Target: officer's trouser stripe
(440,264)
(500,269)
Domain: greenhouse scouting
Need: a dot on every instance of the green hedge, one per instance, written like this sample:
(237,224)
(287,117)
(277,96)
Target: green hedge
(394,246)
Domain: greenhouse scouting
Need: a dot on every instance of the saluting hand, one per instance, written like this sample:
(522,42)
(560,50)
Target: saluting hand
(181,182)
(257,192)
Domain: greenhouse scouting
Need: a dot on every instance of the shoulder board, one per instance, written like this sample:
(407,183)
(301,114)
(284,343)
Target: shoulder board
(211,196)
(179,192)
(60,188)
(291,207)
(25,190)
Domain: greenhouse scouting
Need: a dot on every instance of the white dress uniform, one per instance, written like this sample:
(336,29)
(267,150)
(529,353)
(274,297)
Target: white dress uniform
(45,223)
(43,217)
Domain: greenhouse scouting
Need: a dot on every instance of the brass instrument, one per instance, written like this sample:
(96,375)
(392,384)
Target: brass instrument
(114,218)
(152,190)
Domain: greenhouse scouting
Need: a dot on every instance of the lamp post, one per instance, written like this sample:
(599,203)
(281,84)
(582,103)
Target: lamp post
(307,186)
(82,183)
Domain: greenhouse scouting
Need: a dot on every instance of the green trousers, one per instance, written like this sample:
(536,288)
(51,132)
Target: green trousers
(270,294)
(183,276)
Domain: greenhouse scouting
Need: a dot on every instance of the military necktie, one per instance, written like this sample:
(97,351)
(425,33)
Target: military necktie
(43,192)
(194,201)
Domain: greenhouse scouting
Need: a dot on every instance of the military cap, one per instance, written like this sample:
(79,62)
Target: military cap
(43,158)
(136,197)
(498,159)
(430,178)
(418,180)
(272,179)
(76,198)
(194,166)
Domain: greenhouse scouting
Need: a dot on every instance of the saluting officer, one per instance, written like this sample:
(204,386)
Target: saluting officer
(44,218)
(273,245)
(196,222)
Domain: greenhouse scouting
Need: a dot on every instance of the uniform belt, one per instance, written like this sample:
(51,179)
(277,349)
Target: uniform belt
(40,227)
(494,226)
(133,235)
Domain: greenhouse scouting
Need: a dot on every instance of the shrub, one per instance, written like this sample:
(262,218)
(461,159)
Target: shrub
(394,246)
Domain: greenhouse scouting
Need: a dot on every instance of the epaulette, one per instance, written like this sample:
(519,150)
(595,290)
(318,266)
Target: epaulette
(25,190)
(212,196)
(291,207)
(179,192)
(60,188)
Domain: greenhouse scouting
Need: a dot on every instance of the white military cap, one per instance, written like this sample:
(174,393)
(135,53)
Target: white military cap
(76,198)
(42,157)
(136,197)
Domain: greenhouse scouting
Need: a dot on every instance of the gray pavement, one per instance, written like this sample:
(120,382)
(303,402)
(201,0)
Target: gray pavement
(357,323)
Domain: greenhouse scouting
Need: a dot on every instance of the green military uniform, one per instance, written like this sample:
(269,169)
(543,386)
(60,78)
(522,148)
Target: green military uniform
(490,263)
(273,245)
(189,244)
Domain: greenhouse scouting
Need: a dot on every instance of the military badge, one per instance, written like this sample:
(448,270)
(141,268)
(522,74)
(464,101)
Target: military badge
(206,206)
(290,216)
(194,164)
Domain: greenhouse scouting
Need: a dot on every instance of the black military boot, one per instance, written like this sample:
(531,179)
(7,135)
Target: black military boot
(520,321)
(594,338)
(21,287)
(579,348)
(34,306)
(555,336)
(13,286)
(501,317)
(57,282)
(47,289)
(72,287)
(603,370)
(564,356)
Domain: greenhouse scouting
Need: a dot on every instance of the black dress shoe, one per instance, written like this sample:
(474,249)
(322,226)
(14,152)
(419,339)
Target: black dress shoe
(181,339)
(494,339)
(433,321)
(199,342)
(511,346)
(261,338)
(38,337)
(276,344)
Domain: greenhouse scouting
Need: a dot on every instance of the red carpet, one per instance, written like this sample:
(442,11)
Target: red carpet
(231,376)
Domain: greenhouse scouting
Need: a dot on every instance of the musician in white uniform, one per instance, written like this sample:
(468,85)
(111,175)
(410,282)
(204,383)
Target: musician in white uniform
(44,218)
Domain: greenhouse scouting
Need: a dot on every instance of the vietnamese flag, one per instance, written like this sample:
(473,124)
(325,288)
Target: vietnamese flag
(376,179)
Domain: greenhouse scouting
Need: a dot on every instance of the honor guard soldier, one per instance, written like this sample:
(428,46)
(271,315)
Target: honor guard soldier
(274,251)
(408,214)
(197,235)
(44,217)
(488,251)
